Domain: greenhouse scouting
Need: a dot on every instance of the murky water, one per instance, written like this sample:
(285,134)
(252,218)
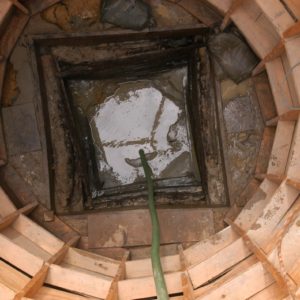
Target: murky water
(148,114)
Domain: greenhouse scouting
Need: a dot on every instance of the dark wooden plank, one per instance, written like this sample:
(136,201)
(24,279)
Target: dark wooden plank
(13,32)
(3,153)
(139,64)
(6,9)
(264,96)
(132,228)
(3,64)
(9,39)
(90,39)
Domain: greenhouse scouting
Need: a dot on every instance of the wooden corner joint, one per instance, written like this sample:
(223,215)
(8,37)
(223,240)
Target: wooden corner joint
(9,219)
(260,255)
(277,50)
(234,5)
(292,31)
(294,183)
(292,114)
(32,287)
(187,286)
(276,178)
(120,275)
(37,281)
(183,261)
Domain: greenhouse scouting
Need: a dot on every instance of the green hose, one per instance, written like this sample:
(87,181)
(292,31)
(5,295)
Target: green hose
(160,284)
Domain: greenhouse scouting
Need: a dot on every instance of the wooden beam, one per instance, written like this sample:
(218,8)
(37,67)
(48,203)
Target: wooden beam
(277,14)
(58,257)
(279,85)
(93,262)
(260,255)
(260,177)
(274,178)
(234,211)
(16,185)
(32,287)
(274,53)
(292,31)
(233,273)
(281,148)
(294,183)
(6,221)
(37,281)
(291,115)
(187,287)
(234,5)
(289,219)
(265,150)
(206,248)
(5,13)
(249,281)
(292,64)
(272,122)
(183,261)
(293,7)
(120,275)
(20,6)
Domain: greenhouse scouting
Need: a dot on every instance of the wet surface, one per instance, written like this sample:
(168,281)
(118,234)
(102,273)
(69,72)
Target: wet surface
(124,117)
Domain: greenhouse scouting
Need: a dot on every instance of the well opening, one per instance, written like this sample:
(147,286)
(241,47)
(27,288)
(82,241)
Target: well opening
(154,92)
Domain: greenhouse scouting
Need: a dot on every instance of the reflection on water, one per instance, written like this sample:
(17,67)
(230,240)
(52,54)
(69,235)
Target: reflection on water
(145,114)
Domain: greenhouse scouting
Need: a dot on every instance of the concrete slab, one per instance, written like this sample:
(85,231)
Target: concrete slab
(132,227)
